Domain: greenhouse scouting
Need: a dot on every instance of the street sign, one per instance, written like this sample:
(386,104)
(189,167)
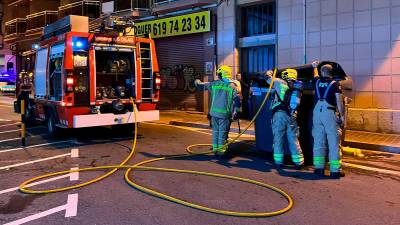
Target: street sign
(173,26)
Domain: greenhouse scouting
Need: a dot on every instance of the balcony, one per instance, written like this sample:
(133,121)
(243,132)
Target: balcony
(37,21)
(166,6)
(135,8)
(14,28)
(87,8)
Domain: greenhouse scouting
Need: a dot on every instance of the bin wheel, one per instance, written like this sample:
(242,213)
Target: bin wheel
(52,129)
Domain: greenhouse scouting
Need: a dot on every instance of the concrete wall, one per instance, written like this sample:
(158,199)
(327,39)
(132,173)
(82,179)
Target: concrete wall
(362,35)
(226,35)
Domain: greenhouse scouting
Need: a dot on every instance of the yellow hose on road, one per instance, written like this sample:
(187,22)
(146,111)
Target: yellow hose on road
(140,166)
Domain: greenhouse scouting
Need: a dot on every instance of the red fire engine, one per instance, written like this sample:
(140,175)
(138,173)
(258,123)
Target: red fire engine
(84,79)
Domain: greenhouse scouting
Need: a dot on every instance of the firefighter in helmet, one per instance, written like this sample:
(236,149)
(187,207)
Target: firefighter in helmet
(327,122)
(225,103)
(286,99)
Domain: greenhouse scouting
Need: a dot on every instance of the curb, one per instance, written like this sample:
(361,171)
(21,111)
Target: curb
(204,126)
(374,147)
(352,144)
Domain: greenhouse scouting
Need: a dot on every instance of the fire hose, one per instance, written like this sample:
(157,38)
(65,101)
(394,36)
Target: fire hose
(141,166)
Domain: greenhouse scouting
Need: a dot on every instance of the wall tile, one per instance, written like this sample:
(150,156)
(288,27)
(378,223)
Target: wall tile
(396,104)
(284,41)
(314,9)
(396,32)
(380,3)
(396,66)
(345,20)
(297,41)
(345,36)
(363,83)
(297,27)
(362,51)
(363,99)
(328,38)
(313,54)
(382,100)
(396,84)
(381,49)
(381,83)
(328,22)
(395,15)
(381,66)
(328,7)
(360,5)
(362,35)
(345,6)
(313,24)
(297,12)
(284,14)
(363,67)
(381,33)
(314,39)
(385,121)
(381,16)
(345,52)
(329,53)
(362,19)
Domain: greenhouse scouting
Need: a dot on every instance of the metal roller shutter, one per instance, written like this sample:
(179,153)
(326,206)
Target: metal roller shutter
(181,61)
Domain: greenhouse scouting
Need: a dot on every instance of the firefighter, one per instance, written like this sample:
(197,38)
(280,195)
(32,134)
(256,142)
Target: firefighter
(287,95)
(326,123)
(225,103)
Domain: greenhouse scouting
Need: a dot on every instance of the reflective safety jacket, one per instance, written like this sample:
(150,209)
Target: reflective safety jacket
(224,97)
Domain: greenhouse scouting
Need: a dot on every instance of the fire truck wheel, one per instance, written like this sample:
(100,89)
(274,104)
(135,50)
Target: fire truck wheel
(52,129)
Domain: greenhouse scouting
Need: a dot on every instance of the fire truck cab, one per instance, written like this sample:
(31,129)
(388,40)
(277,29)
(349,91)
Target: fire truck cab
(84,79)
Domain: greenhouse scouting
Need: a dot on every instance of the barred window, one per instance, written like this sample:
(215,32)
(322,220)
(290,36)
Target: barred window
(258,19)
(258,59)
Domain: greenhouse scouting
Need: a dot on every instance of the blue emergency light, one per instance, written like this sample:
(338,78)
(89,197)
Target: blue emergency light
(80,44)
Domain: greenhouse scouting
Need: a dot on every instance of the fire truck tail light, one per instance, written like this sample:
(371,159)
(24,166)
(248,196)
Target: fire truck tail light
(70,81)
(157,81)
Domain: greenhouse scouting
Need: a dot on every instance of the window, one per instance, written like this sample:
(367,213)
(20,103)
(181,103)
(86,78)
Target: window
(258,59)
(258,20)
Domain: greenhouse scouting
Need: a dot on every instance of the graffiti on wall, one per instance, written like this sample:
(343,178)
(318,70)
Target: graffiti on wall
(179,77)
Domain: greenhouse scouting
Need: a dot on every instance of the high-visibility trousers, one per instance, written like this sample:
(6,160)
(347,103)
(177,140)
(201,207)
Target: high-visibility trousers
(327,135)
(220,130)
(284,127)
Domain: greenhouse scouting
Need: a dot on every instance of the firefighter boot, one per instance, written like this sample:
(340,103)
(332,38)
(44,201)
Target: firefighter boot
(337,175)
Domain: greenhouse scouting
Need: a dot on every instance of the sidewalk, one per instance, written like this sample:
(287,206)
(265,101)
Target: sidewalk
(354,139)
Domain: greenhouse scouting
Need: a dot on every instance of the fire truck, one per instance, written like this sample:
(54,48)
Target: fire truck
(86,79)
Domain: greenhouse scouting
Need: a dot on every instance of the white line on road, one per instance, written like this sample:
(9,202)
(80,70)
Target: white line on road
(34,161)
(6,125)
(72,206)
(12,139)
(74,153)
(74,175)
(374,169)
(71,209)
(33,146)
(9,131)
(36,183)
(4,120)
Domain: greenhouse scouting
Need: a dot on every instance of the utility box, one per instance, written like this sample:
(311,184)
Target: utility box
(263,131)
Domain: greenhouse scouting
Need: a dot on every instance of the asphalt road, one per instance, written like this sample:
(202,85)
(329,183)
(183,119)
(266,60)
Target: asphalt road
(362,197)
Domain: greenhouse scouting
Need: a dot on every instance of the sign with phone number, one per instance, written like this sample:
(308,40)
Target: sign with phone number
(173,26)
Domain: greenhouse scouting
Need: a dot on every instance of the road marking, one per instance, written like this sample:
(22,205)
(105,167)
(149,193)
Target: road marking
(6,125)
(4,120)
(12,139)
(74,175)
(34,161)
(71,209)
(34,146)
(391,172)
(75,153)
(36,183)
(9,131)
(72,206)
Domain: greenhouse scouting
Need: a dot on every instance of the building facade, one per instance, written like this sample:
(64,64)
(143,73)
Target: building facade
(361,35)
(252,36)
